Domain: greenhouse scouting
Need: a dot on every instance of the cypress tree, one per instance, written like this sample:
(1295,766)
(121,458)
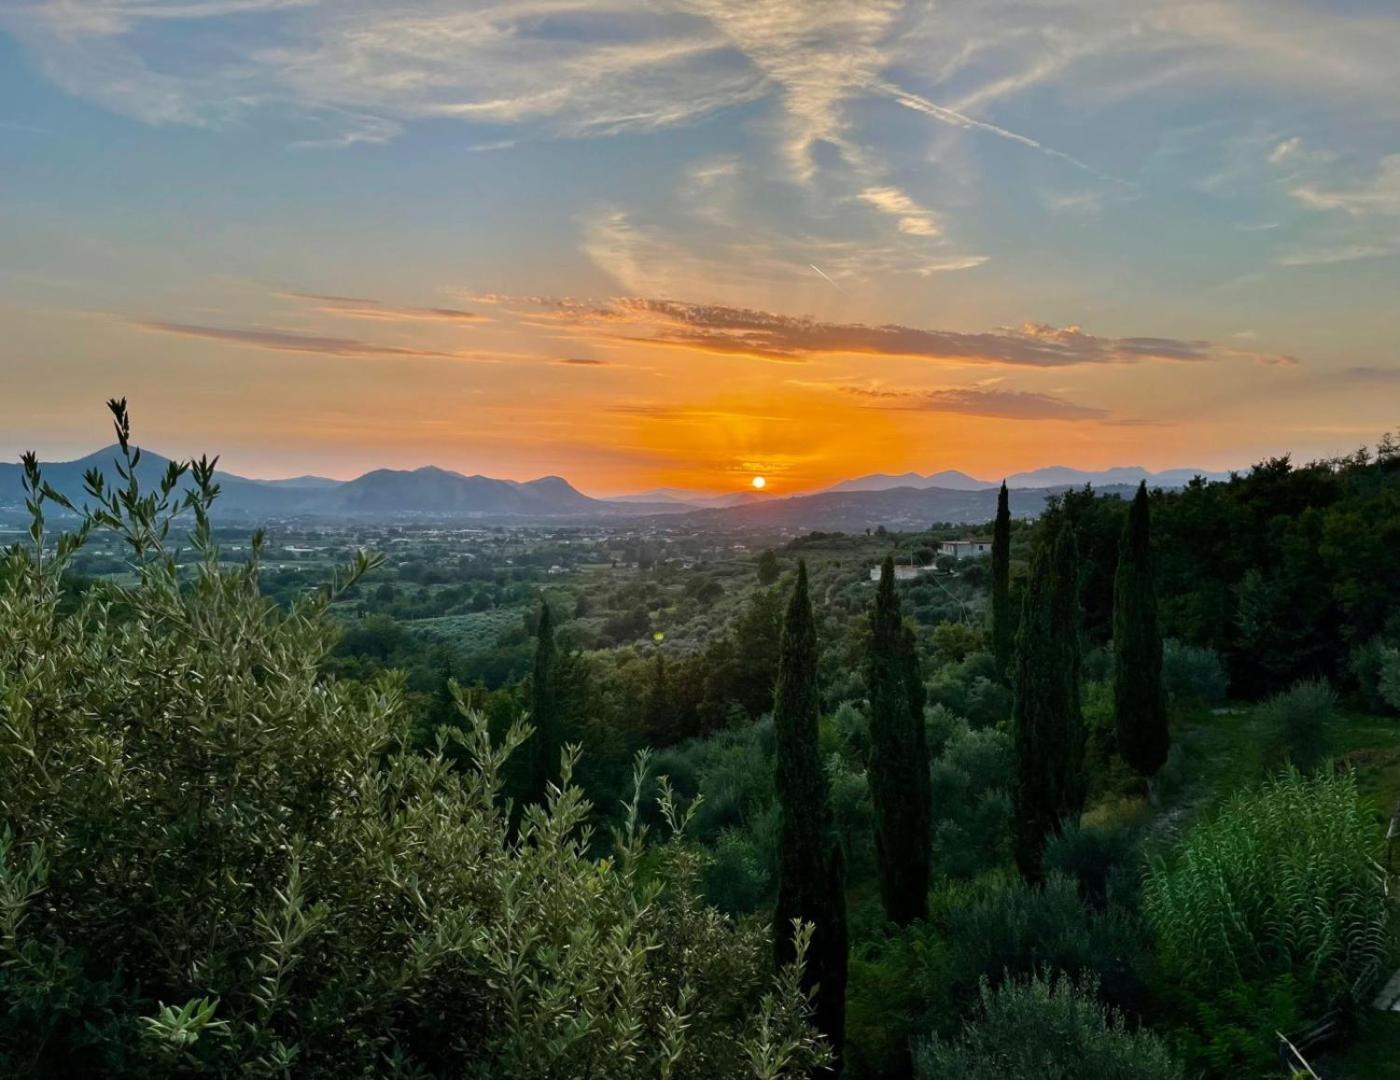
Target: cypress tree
(898,772)
(1003,631)
(547,741)
(1139,702)
(811,871)
(1049,784)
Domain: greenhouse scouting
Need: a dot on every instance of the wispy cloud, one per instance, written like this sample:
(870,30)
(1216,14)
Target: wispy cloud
(769,336)
(913,218)
(365,308)
(290,341)
(991,401)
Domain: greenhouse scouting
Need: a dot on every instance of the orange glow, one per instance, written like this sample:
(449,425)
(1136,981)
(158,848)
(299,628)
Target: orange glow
(759,483)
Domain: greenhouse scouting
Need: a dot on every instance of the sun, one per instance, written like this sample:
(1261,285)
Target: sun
(759,483)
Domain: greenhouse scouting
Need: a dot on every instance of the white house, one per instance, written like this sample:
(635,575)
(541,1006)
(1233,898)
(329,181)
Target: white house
(902,572)
(965,549)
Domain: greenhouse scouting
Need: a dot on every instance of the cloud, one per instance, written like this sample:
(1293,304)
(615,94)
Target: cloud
(289,341)
(765,335)
(1380,196)
(732,260)
(1372,375)
(913,218)
(991,401)
(363,308)
(583,361)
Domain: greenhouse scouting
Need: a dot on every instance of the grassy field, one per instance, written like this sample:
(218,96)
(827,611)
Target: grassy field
(1224,751)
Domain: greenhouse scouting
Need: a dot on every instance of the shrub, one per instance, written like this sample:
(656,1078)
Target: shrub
(214,861)
(1193,675)
(971,807)
(1273,910)
(1375,665)
(1299,719)
(1016,929)
(1105,862)
(971,689)
(1046,1028)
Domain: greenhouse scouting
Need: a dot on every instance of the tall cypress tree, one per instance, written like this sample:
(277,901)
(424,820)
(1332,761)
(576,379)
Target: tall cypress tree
(811,872)
(547,741)
(898,772)
(1139,702)
(1049,727)
(1003,630)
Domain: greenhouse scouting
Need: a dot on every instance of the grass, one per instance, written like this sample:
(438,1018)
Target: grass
(1221,752)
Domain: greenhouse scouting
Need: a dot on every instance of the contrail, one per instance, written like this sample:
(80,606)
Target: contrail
(913,101)
(818,269)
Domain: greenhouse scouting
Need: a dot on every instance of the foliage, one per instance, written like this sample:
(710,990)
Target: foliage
(1277,895)
(1003,629)
(546,742)
(215,861)
(1046,1028)
(1193,675)
(899,765)
(1300,719)
(811,874)
(970,780)
(971,689)
(1140,704)
(1015,929)
(1049,788)
(768,568)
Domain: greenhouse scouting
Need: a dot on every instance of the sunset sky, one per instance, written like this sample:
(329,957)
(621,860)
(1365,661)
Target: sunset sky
(683,243)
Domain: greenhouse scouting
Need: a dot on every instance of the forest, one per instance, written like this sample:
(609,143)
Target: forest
(1112,801)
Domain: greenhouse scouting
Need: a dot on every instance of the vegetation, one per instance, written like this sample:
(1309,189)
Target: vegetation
(1047,1029)
(811,871)
(545,744)
(254,825)
(1003,626)
(1273,912)
(213,860)
(1139,700)
(899,764)
(1047,723)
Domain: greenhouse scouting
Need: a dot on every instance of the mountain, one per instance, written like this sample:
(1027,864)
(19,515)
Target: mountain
(948,479)
(1062,476)
(898,502)
(237,493)
(687,500)
(1051,476)
(899,509)
(429,491)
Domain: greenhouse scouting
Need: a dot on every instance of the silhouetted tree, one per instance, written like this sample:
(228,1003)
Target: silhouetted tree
(898,770)
(1139,703)
(1003,630)
(811,873)
(768,569)
(1049,727)
(547,740)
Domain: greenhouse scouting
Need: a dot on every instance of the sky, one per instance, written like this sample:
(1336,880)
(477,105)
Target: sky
(686,242)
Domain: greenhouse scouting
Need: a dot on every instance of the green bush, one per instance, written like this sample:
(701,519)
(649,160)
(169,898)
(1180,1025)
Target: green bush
(1014,929)
(1046,1029)
(1300,720)
(1275,910)
(1105,863)
(1193,675)
(971,807)
(1375,665)
(213,860)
